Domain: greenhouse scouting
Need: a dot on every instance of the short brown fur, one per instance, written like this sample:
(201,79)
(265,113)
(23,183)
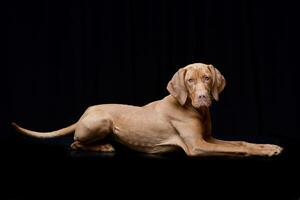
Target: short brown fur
(178,121)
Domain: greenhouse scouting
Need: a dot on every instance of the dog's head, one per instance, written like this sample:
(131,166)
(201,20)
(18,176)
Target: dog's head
(197,82)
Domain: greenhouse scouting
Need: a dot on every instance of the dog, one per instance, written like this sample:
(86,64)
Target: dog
(181,120)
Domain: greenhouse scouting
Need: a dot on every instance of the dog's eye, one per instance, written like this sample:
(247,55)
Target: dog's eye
(190,80)
(206,78)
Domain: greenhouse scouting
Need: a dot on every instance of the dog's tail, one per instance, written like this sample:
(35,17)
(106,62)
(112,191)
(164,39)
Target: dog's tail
(61,132)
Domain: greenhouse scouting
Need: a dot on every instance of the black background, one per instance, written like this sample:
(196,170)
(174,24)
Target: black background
(65,56)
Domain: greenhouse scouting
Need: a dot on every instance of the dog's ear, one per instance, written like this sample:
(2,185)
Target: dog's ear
(218,82)
(177,88)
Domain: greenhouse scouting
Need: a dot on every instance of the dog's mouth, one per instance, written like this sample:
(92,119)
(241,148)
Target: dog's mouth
(201,103)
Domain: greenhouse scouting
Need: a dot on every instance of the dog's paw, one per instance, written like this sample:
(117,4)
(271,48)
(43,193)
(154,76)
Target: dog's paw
(264,149)
(271,149)
(106,148)
(75,145)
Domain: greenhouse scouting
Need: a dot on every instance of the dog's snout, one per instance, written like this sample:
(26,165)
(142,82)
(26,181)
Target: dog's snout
(202,96)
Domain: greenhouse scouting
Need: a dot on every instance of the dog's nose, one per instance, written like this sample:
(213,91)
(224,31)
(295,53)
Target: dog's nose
(202,96)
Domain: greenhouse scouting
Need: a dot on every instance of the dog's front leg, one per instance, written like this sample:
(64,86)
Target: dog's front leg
(204,148)
(192,134)
(254,146)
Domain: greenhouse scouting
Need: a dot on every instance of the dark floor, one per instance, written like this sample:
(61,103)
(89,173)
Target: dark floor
(45,161)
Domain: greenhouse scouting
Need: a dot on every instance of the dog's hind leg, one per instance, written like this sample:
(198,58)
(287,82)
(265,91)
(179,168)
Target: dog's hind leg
(92,128)
(93,147)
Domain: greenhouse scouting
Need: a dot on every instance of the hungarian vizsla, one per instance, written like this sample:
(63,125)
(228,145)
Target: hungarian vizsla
(180,120)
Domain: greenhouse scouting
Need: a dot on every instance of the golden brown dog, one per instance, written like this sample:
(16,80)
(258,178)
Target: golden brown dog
(180,120)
